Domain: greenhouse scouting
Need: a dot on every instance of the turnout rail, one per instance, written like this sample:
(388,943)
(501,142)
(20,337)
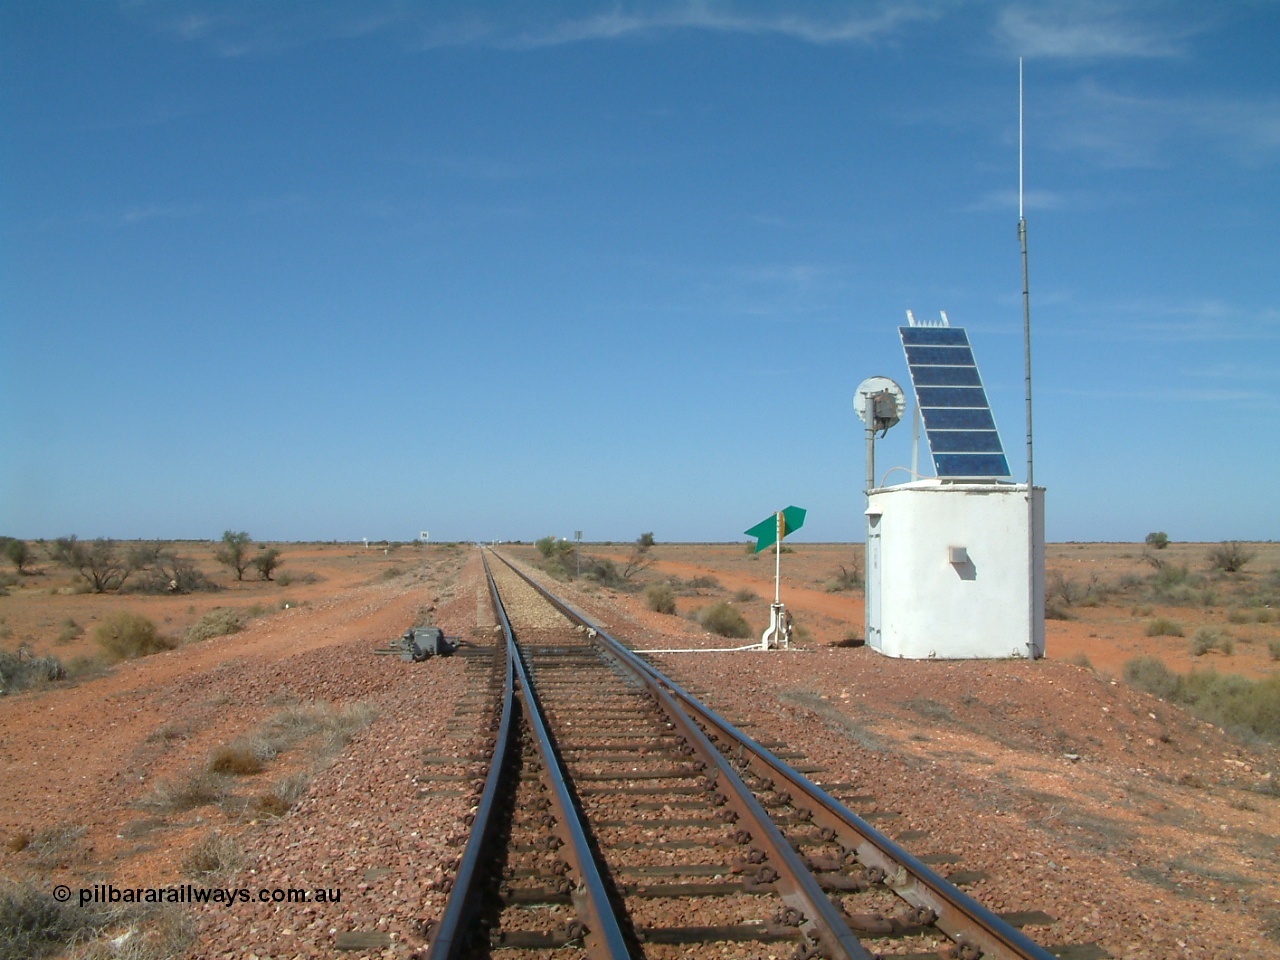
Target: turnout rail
(621,817)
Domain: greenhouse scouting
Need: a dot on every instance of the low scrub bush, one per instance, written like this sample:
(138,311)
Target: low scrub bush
(1226,699)
(1207,638)
(70,631)
(725,619)
(20,669)
(1273,648)
(1238,616)
(745,596)
(660,598)
(1164,627)
(1150,674)
(1081,660)
(126,636)
(55,846)
(1230,557)
(161,571)
(218,622)
(33,924)
(703,583)
(287,578)
(845,578)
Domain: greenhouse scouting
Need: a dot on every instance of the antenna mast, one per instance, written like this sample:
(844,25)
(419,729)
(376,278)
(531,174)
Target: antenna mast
(1032,612)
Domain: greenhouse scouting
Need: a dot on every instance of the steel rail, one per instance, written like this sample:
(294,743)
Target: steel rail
(451,937)
(815,914)
(602,935)
(959,916)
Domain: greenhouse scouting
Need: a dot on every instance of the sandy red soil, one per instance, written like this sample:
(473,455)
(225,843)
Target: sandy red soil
(1135,801)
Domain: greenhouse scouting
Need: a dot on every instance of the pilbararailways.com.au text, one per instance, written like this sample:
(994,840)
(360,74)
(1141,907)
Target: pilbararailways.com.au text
(190,893)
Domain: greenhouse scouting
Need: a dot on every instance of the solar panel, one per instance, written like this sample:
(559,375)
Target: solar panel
(957,416)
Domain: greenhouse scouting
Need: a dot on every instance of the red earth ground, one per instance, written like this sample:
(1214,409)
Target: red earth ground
(1156,806)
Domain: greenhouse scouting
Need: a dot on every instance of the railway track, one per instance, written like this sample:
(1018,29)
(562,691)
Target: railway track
(620,817)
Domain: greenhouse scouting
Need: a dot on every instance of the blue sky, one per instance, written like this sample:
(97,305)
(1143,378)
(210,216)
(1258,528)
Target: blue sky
(339,270)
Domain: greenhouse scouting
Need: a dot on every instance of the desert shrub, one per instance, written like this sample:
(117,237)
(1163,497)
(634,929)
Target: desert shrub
(1151,675)
(1164,627)
(1081,660)
(1236,615)
(20,669)
(55,846)
(704,583)
(744,595)
(552,548)
(218,622)
(1158,540)
(604,572)
(1273,648)
(126,636)
(1228,700)
(1207,638)
(1052,611)
(103,564)
(33,924)
(287,579)
(725,619)
(18,552)
(845,578)
(86,667)
(162,571)
(660,598)
(1230,557)
(70,631)
(1262,615)
(266,561)
(1143,610)
(234,552)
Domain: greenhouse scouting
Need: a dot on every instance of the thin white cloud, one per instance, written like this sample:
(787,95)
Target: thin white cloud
(1090,30)
(805,25)
(235,28)
(1132,131)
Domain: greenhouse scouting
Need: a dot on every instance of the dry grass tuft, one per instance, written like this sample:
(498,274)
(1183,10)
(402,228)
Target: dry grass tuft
(55,846)
(215,857)
(236,759)
(198,788)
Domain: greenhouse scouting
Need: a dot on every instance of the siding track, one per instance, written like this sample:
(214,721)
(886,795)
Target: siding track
(620,817)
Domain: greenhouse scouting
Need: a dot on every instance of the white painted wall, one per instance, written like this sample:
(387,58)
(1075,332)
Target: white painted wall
(930,607)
